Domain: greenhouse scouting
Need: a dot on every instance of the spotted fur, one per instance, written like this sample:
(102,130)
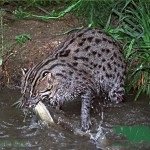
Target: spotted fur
(88,63)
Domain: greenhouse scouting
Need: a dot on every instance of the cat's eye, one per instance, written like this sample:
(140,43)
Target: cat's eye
(45,73)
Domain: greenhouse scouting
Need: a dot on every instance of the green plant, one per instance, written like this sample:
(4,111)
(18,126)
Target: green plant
(22,13)
(20,39)
(134,31)
(6,47)
(33,3)
(95,12)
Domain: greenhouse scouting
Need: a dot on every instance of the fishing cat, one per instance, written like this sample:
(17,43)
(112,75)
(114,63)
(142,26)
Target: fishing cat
(88,63)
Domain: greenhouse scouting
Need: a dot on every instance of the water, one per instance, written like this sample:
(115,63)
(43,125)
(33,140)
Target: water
(110,130)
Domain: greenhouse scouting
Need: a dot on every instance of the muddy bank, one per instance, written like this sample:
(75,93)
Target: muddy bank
(45,36)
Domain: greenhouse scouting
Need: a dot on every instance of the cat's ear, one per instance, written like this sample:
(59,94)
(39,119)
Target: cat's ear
(24,71)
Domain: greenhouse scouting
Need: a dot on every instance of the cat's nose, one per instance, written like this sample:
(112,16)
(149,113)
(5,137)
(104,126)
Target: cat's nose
(30,103)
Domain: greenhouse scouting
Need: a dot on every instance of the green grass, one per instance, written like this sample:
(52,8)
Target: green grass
(22,13)
(95,12)
(134,31)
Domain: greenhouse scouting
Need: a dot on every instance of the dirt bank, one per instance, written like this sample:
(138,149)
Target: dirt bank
(45,36)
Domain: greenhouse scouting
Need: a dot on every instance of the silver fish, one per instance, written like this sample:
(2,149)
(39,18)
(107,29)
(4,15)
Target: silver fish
(43,113)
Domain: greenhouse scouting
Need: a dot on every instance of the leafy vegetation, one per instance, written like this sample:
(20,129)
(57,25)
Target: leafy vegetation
(22,13)
(128,21)
(20,39)
(133,30)
(95,12)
